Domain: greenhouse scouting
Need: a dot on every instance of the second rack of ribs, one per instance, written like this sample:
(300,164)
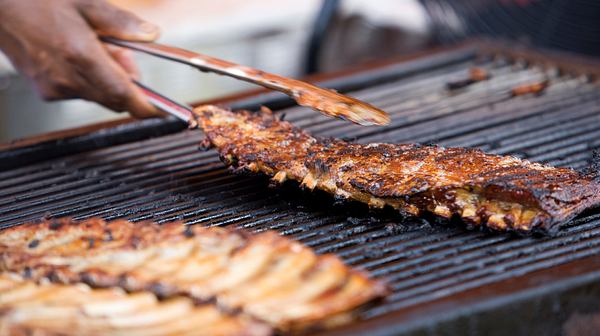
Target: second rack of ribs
(263,276)
(500,192)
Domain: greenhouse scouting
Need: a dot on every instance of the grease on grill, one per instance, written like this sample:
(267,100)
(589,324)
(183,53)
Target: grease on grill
(475,75)
(535,88)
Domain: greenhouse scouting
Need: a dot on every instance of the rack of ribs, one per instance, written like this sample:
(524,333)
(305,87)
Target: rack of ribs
(266,277)
(30,308)
(502,193)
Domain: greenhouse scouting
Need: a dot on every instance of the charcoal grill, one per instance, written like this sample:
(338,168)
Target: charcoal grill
(444,277)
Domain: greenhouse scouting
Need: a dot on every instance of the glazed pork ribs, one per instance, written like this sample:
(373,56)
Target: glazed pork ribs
(30,308)
(265,276)
(499,192)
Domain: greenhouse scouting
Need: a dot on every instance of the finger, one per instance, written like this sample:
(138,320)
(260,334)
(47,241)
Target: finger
(59,87)
(112,21)
(145,109)
(125,59)
(109,85)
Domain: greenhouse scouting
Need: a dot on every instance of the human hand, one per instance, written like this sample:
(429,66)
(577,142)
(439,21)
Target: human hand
(55,44)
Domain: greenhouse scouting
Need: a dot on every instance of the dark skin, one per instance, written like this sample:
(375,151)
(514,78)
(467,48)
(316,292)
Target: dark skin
(55,44)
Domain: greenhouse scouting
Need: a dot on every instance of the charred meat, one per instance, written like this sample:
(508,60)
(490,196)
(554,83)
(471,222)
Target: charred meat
(498,192)
(265,276)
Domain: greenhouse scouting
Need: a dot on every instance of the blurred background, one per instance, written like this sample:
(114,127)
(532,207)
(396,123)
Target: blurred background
(297,38)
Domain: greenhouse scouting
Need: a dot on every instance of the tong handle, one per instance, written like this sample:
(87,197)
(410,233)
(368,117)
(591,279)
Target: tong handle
(328,102)
(207,63)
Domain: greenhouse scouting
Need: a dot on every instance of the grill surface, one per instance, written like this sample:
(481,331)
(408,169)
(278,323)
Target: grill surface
(166,178)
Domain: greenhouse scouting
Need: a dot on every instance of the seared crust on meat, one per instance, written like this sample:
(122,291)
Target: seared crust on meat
(499,192)
(265,276)
(30,308)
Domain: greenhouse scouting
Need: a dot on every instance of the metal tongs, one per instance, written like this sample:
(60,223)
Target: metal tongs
(326,101)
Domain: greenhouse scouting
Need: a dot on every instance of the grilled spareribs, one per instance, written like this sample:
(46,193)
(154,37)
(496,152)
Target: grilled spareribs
(30,308)
(499,192)
(264,276)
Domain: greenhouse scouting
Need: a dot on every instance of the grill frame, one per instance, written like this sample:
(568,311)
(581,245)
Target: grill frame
(489,308)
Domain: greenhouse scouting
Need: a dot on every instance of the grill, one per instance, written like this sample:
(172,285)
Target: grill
(444,277)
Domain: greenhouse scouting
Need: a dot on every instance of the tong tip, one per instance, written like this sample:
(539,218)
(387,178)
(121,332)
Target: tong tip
(367,115)
(333,104)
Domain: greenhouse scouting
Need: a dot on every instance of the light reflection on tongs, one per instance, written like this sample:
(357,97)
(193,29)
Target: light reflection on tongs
(180,111)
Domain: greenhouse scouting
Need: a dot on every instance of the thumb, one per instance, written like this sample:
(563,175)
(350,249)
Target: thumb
(108,20)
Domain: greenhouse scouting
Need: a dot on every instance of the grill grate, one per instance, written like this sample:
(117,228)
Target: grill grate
(166,178)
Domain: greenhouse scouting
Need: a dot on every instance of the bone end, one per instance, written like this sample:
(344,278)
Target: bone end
(309,181)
